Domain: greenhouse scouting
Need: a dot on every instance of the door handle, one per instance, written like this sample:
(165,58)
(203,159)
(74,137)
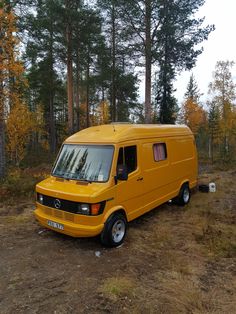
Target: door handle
(140,179)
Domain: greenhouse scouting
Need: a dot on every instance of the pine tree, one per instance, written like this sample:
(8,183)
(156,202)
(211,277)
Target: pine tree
(112,28)
(42,55)
(192,91)
(165,102)
(165,33)
(123,89)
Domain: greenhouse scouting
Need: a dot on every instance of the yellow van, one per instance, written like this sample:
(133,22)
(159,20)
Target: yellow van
(108,175)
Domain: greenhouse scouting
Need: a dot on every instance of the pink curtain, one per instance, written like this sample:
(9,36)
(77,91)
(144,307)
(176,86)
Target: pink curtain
(159,152)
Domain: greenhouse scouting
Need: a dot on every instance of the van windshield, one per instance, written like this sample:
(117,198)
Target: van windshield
(84,162)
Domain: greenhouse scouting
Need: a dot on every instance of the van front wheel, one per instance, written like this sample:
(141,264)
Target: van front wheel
(184,196)
(114,230)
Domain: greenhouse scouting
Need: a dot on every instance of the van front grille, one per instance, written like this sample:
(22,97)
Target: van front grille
(61,208)
(58,203)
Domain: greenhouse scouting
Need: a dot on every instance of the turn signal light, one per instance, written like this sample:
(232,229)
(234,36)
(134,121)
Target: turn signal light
(95,209)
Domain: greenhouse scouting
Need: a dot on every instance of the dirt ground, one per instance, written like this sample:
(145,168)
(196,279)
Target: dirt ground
(174,260)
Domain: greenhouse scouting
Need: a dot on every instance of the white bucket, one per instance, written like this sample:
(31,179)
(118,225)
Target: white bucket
(212,187)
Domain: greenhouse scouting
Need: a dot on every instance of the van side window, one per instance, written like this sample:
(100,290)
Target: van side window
(128,156)
(160,152)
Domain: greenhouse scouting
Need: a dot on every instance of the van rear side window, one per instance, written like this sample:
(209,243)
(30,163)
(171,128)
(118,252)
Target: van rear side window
(159,150)
(128,156)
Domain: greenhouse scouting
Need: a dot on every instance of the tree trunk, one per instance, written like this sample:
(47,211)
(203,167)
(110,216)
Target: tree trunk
(113,92)
(77,89)
(11,77)
(2,123)
(211,148)
(148,61)
(87,91)
(51,98)
(2,141)
(52,124)
(77,92)
(164,114)
(69,71)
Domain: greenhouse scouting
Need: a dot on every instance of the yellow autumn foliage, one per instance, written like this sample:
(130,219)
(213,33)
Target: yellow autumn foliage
(194,115)
(12,78)
(19,120)
(103,112)
(20,123)
(227,118)
(100,114)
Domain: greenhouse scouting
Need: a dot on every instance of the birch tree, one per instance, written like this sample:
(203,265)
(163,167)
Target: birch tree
(12,79)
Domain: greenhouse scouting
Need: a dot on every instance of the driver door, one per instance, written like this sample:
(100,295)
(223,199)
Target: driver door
(130,192)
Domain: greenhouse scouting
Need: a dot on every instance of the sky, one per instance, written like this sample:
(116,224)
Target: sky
(221,45)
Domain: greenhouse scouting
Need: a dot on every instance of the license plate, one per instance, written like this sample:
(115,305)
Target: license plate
(55,225)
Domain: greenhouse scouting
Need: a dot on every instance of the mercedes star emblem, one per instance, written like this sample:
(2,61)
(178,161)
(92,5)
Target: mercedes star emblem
(57,203)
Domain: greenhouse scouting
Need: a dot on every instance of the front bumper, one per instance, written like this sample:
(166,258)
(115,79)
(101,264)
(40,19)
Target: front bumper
(70,228)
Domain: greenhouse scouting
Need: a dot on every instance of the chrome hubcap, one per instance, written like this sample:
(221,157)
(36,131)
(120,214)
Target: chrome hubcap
(186,195)
(118,231)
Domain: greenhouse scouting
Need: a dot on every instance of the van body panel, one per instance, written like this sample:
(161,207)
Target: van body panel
(166,158)
(73,190)
(117,133)
(111,211)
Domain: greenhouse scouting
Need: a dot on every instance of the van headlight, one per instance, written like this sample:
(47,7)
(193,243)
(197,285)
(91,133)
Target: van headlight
(91,209)
(84,209)
(40,198)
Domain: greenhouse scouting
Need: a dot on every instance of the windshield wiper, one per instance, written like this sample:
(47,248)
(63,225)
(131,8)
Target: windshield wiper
(84,180)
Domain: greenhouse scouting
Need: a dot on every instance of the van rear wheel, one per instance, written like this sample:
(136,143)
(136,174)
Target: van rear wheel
(184,195)
(114,230)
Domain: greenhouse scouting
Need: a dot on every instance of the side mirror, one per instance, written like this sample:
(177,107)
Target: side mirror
(122,173)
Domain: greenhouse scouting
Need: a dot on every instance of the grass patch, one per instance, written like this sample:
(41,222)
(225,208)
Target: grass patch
(212,217)
(173,260)
(219,239)
(183,294)
(20,219)
(116,287)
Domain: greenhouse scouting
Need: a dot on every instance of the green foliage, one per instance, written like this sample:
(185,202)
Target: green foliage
(178,36)
(21,183)
(165,102)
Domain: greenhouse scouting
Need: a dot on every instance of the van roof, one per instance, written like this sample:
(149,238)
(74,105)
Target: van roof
(115,133)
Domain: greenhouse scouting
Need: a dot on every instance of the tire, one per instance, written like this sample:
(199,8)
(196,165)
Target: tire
(114,230)
(184,195)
